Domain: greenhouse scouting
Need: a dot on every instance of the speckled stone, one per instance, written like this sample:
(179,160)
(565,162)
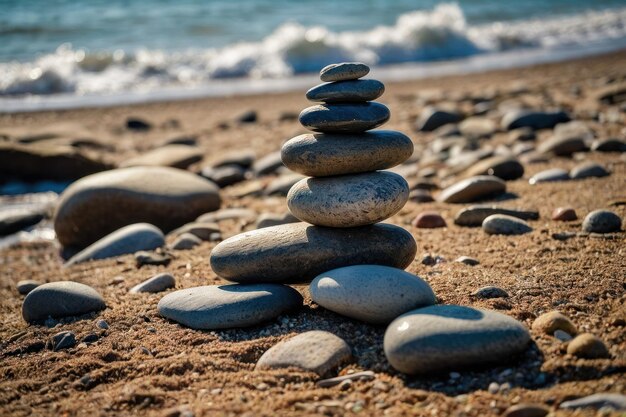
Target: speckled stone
(346,91)
(214,307)
(99,204)
(371,293)
(157,283)
(473,216)
(316,351)
(450,337)
(473,189)
(128,239)
(344,71)
(602,221)
(549,175)
(60,299)
(320,155)
(344,118)
(552,321)
(298,252)
(588,346)
(501,224)
(349,200)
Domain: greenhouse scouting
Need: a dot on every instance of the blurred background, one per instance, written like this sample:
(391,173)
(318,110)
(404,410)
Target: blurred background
(96,47)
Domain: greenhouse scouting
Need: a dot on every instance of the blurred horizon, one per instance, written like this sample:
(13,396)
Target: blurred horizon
(104,47)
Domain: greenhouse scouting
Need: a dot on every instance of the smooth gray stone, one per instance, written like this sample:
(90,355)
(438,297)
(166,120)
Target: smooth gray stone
(549,175)
(473,216)
(128,239)
(433,118)
(99,204)
(157,283)
(346,91)
(175,156)
(269,164)
(501,224)
(60,299)
(371,293)
(27,285)
(63,340)
(562,146)
(348,200)
(504,167)
(275,219)
(316,351)
(186,241)
(533,119)
(298,252)
(588,170)
(612,400)
(225,175)
(214,307)
(344,71)
(449,337)
(602,221)
(321,155)
(473,189)
(202,230)
(609,145)
(344,118)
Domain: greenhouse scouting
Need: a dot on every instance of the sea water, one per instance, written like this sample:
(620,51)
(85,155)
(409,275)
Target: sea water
(64,53)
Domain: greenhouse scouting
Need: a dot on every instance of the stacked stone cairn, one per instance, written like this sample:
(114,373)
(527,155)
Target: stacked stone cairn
(355,264)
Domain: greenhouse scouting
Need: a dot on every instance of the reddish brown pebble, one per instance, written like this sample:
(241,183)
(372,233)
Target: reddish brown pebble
(429,220)
(421,196)
(564,214)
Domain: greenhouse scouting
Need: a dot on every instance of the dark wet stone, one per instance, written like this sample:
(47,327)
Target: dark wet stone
(344,118)
(474,216)
(60,299)
(609,145)
(12,221)
(344,71)
(433,118)
(138,125)
(533,119)
(346,91)
(298,252)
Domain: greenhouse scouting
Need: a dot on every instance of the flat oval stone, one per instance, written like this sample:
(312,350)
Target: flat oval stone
(321,155)
(504,167)
(473,216)
(26,285)
(349,200)
(536,120)
(433,118)
(60,299)
(371,293)
(602,221)
(214,307)
(101,203)
(344,71)
(129,239)
(344,118)
(157,283)
(549,175)
(298,252)
(473,189)
(346,91)
(450,337)
(588,170)
(501,224)
(316,351)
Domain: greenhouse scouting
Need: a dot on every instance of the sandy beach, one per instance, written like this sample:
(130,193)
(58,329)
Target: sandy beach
(144,364)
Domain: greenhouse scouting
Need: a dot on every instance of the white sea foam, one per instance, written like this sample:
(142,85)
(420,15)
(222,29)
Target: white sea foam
(420,36)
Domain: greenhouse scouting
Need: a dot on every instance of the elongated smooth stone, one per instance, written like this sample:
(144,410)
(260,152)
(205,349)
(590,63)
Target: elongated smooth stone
(298,252)
(348,200)
(346,91)
(323,154)
(344,118)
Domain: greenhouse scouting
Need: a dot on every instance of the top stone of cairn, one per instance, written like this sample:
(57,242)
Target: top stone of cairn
(344,71)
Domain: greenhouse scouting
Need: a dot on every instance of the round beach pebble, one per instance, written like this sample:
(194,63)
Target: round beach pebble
(428,220)
(99,204)
(450,337)
(227,306)
(501,224)
(588,346)
(552,321)
(344,71)
(157,283)
(473,189)
(602,221)
(344,118)
(349,200)
(316,351)
(298,252)
(60,299)
(346,91)
(564,214)
(371,293)
(129,239)
(321,155)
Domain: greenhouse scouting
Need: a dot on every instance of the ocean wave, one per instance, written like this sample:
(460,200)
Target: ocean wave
(438,34)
